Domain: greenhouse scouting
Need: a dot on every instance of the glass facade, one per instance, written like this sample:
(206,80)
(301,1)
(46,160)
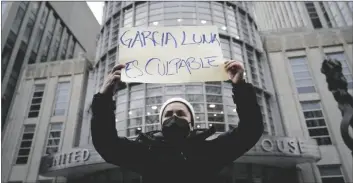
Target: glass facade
(138,105)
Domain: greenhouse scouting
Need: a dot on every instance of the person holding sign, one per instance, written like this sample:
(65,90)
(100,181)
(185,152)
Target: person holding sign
(178,153)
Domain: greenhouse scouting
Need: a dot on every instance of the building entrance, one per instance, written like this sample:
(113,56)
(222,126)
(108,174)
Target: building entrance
(236,173)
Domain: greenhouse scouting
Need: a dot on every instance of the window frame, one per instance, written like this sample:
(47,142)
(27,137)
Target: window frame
(33,97)
(294,79)
(331,176)
(67,102)
(23,132)
(316,127)
(48,137)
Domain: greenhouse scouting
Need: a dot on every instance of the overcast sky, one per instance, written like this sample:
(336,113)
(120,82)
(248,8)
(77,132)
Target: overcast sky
(97,9)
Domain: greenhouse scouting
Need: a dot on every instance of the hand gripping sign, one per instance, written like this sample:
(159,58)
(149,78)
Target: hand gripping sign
(171,54)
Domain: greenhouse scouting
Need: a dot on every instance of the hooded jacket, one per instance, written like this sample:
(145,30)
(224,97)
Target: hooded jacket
(197,160)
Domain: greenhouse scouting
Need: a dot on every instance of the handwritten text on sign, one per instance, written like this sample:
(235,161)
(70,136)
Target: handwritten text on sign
(171,54)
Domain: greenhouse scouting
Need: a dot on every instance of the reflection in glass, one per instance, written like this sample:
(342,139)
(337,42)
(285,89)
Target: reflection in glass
(217,108)
(134,122)
(175,89)
(153,109)
(154,100)
(198,107)
(136,104)
(214,98)
(166,97)
(152,119)
(200,117)
(215,117)
(194,98)
(135,112)
(213,89)
(195,89)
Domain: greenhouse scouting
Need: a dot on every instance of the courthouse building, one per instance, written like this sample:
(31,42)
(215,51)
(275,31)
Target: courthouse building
(35,32)
(301,142)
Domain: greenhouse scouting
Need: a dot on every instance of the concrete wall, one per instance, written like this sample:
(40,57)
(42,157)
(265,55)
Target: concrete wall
(81,21)
(49,74)
(313,45)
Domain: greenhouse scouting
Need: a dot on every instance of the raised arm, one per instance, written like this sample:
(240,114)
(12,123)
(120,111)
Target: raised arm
(232,144)
(112,148)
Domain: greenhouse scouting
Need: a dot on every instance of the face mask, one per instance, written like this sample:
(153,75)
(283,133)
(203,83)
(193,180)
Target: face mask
(175,128)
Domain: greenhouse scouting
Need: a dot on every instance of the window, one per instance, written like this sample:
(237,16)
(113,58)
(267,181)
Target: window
(252,62)
(244,25)
(117,6)
(26,144)
(260,62)
(315,122)
(232,21)
(225,48)
(36,100)
(32,58)
(315,20)
(302,76)
(57,42)
(49,37)
(141,15)
(19,18)
(331,174)
(35,7)
(237,51)
(53,138)
(101,72)
(61,98)
(115,34)
(38,38)
(16,69)
(106,37)
(111,61)
(40,32)
(6,54)
(134,122)
(64,45)
(31,20)
(346,13)
(44,16)
(269,113)
(174,89)
(71,49)
(345,69)
(47,40)
(218,15)
(128,18)
(327,18)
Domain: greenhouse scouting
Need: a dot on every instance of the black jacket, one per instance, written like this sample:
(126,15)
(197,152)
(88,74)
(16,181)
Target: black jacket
(195,161)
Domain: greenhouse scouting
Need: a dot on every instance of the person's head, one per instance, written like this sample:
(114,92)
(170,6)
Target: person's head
(177,118)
